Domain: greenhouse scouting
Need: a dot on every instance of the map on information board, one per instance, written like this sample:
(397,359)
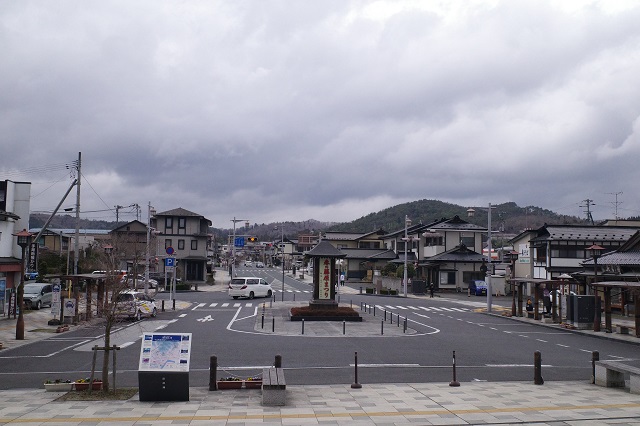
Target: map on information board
(165,352)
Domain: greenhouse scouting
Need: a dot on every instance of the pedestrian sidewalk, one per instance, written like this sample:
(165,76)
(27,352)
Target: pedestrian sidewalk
(567,403)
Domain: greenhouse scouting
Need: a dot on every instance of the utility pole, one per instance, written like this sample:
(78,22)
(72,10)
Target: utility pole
(76,245)
(118,207)
(588,204)
(616,203)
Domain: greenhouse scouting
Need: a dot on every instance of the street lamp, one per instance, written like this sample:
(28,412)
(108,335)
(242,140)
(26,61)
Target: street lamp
(407,222)
(596,251)
(233,255)
(514,257)
(150,211)
(282,260)
(24,239)
(471,213)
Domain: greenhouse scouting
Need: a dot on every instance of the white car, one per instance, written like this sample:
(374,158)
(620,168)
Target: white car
(135,304)
(249,287)
(259,265)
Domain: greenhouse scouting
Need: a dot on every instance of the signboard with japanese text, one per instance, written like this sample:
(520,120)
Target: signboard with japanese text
(524,255)
(165,352)
(55,299)
(325,278)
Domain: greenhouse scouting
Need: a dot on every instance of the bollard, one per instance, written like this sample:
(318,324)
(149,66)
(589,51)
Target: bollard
(294,297)
(537,368)
(382,327)
(302,325)
(356,385)
(263,321)
(278,361)
(162,305)
(273,325)
(263,307)
(405,325)
(360,290)
(213,373)
(351,303)
(361,306)
(344,326)
(385,314)
(454,382)
(174,304)
(595,356)
(374,310)
(398,320)
(369,309)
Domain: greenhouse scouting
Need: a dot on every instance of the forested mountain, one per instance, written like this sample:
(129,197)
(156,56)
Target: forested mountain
(508,218)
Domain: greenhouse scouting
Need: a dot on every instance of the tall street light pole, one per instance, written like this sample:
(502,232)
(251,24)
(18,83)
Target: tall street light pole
(407,222)
(24,239)
(233,250)
(282,244)
(596,251)
(470,213)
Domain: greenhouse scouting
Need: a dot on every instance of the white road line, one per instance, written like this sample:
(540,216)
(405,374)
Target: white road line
(235,305)
(413,307)
(199,305)
(183,315)
(224,305)
(492,328)
(446,309)
(213,305)
(248,305)
(426,309)
(543,341)
(436,309)
(460,309)
(402,307)
(391,307)
(584,350)
(562,346)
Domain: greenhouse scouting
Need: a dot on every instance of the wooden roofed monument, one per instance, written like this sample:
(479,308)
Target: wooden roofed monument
(324,257)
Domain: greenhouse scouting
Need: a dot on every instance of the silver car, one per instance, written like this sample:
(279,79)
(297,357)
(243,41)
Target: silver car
(37,295)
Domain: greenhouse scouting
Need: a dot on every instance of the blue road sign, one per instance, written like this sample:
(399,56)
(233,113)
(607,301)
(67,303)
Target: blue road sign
(239,242)
(170,261)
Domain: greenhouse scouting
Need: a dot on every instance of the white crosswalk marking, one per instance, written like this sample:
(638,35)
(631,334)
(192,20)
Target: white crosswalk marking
(413,307)
(426,309)
(459,309)
(391,307)
(213,305)
(199,305)
(446,309)
(224,305)
(402,307)
(436,309)
(236,305)
(248,305)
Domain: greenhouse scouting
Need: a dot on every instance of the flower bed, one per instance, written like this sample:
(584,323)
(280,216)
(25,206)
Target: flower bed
(83,384)
(58,386)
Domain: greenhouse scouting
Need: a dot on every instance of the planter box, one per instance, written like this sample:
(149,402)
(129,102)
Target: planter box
(85,386)
(231,384)
(253,384)
(58,387)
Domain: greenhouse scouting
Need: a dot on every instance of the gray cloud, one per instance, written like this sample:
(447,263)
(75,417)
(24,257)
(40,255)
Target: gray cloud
(285,110)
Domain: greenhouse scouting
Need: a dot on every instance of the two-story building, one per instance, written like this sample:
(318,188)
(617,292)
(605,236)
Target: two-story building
(188,234)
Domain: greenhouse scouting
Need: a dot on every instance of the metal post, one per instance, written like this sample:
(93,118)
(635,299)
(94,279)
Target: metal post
(355,384)
(595,356)
(278,361)
(454,382)
(263,321)
(273,325)
(174,304)
(374,310)
(344,326)
(213,373)
(405,325)
(162,305)
(489,266)
(302,325)
(385,314)
(382,327)
(537,368)
(294,297)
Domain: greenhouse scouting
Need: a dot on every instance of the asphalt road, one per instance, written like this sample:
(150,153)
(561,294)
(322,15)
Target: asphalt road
(487,348)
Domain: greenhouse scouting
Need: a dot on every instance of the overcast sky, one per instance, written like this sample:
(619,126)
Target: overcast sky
(329,110)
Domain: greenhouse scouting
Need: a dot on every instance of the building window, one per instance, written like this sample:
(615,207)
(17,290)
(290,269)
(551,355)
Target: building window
(182,225)
(167,243)
(194,244)
(168,224)
(468,241)
(447,277)
(180,244)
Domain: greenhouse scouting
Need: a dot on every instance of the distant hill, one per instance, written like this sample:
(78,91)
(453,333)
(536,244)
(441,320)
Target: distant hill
(508,218)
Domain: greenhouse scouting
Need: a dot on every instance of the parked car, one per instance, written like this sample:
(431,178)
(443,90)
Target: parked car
(478,287)
(259,265)
(29,276)
(248,263)
(36,295)
(249,287)
(135,304)
(139,281)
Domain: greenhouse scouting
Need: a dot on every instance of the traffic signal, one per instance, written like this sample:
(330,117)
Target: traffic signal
(253,239)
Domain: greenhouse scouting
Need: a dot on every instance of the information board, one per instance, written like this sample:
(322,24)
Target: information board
(165,352)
